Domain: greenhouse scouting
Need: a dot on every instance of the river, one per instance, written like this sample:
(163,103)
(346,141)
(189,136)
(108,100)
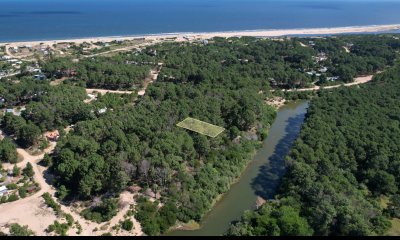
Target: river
(261,177)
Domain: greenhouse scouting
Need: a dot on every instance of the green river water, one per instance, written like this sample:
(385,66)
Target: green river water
(261,177)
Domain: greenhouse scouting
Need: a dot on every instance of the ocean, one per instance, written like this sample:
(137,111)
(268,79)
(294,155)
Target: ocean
(26,20)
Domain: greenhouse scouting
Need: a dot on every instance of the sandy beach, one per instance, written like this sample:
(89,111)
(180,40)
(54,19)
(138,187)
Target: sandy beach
(208,35)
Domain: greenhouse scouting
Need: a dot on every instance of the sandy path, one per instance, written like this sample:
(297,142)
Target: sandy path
(7,51)
(105,91)
(302,44)
(32,211)
(150,79)
(357,81)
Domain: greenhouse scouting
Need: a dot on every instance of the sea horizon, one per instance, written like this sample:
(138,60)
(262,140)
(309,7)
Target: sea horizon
(43,20)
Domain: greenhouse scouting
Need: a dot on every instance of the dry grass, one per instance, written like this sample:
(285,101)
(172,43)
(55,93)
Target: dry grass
(201,127)
(395,229)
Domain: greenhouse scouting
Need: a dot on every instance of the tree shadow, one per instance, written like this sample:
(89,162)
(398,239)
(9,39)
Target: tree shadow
(48,177)
(271,173)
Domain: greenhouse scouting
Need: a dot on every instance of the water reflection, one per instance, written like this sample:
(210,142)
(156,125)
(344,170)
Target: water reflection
(261,178)
(271,173)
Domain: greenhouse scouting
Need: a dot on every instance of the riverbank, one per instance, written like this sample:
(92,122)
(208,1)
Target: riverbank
(193,225)
(259,178)
(207,35)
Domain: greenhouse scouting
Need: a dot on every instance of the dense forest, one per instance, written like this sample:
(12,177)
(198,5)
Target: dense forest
(346,158)
(143,145)
(116,72)
(223,81)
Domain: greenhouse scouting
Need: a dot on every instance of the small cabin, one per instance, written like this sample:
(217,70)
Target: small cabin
(52,136)
(31,189)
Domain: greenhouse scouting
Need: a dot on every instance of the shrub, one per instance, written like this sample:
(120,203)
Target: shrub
(127,225)
(28,170)
(18,230)
(51,203)
(12,186)
(13,197)
(59,228)
(102,213)
(22,192)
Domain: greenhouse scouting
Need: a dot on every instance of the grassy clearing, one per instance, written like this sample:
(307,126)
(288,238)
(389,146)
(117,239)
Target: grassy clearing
(201,127)
(395,229)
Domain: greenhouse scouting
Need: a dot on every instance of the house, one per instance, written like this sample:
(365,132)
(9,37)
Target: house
(92,96)
(323,70)
(320,57)
(3,191)
(52,136)
(31,189)
(10,110)
(103,110)
(273,82)
(5,57)
(39,77)
(152,52)
(335,78)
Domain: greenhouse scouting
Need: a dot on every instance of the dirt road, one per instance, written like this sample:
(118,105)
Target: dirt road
(105,91)
(357,81)
(33,212)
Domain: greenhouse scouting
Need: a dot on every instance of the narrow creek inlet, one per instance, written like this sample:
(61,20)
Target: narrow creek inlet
(261,177)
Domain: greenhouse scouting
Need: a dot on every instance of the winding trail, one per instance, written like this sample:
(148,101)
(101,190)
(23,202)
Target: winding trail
(31,210)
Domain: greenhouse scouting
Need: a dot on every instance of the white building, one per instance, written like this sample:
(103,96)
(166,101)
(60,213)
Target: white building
(323,69)
(3,190)
(103,110)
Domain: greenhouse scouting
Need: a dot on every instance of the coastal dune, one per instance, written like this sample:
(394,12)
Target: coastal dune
(251,33)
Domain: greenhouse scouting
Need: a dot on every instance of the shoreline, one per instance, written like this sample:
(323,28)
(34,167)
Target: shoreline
(193,225)
(226,34)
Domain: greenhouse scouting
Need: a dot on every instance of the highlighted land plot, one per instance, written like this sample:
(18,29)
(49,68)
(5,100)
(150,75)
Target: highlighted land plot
(201,127)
